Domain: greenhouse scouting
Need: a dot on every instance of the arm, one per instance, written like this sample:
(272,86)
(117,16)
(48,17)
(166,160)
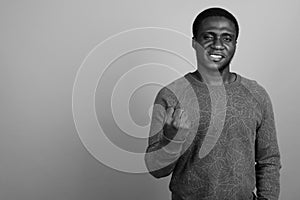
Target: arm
(164,148)
(267,155)
(161,159)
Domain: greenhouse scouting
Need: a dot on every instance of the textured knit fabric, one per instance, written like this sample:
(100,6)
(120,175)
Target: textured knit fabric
(232,148)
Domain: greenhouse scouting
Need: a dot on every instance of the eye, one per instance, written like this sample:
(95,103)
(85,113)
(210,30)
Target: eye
(207,37)
(227,38)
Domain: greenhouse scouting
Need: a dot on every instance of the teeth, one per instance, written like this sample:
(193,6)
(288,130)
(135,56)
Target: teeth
(216,56)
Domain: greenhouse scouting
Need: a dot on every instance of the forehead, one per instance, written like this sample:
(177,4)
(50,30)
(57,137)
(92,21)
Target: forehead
(217,23)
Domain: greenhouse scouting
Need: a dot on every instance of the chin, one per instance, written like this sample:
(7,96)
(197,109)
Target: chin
(215,66)
(212,66)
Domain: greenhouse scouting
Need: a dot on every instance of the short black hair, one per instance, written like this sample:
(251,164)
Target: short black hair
(214,12)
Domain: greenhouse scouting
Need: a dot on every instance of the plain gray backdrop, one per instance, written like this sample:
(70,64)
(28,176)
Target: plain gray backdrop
(43,44)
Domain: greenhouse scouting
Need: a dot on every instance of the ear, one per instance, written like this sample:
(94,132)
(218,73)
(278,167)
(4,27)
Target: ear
(235,41)
(194,43)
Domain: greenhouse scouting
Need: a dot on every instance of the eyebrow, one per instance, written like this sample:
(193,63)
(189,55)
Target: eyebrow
(213,33)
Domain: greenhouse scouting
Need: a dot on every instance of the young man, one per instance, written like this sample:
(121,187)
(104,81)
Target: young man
(213,129)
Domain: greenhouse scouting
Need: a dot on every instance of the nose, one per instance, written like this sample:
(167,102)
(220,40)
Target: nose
(217,44)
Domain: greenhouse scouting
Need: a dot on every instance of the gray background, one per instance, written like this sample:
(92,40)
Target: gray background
(42,46)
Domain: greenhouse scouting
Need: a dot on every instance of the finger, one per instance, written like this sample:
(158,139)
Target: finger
(184,122)
(169,114)
(183,119)
(176,116)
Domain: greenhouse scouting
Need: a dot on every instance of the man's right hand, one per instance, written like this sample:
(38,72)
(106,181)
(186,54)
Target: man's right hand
(176,125)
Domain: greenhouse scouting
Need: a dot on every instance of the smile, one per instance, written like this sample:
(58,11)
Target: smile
(216,57)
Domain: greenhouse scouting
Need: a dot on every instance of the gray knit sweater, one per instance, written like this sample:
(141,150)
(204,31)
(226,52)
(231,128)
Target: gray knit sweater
(232,146)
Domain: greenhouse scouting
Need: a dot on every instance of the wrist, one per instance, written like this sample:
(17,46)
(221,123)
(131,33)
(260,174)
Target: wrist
(172,146)
(172,140)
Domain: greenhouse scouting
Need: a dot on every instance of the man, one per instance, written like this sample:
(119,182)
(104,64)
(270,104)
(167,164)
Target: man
(214,129)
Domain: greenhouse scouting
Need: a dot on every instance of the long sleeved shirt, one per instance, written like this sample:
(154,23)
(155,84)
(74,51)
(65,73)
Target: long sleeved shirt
(232,146)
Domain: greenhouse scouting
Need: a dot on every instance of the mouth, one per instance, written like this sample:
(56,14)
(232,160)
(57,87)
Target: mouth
(216,57)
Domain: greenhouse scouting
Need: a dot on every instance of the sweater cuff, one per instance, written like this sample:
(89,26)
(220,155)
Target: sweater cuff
(172,146)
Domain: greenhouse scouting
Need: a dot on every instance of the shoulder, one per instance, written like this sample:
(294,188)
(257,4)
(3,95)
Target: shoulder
(256,89)
(171,93)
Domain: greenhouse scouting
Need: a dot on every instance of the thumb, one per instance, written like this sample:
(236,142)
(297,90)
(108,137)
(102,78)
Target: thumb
(169,114)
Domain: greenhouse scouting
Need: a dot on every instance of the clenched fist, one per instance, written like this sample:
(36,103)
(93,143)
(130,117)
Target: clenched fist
(176,125)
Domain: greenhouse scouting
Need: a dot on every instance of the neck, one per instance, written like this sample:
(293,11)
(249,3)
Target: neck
(215,77)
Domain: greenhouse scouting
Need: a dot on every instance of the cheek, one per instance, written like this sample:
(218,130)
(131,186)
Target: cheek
(207,45)
(231,49)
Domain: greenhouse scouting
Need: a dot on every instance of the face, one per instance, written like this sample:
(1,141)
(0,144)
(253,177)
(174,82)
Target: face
(215,43)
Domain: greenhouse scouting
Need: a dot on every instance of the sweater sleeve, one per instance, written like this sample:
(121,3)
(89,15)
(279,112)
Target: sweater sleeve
(161,154)
(267,154)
